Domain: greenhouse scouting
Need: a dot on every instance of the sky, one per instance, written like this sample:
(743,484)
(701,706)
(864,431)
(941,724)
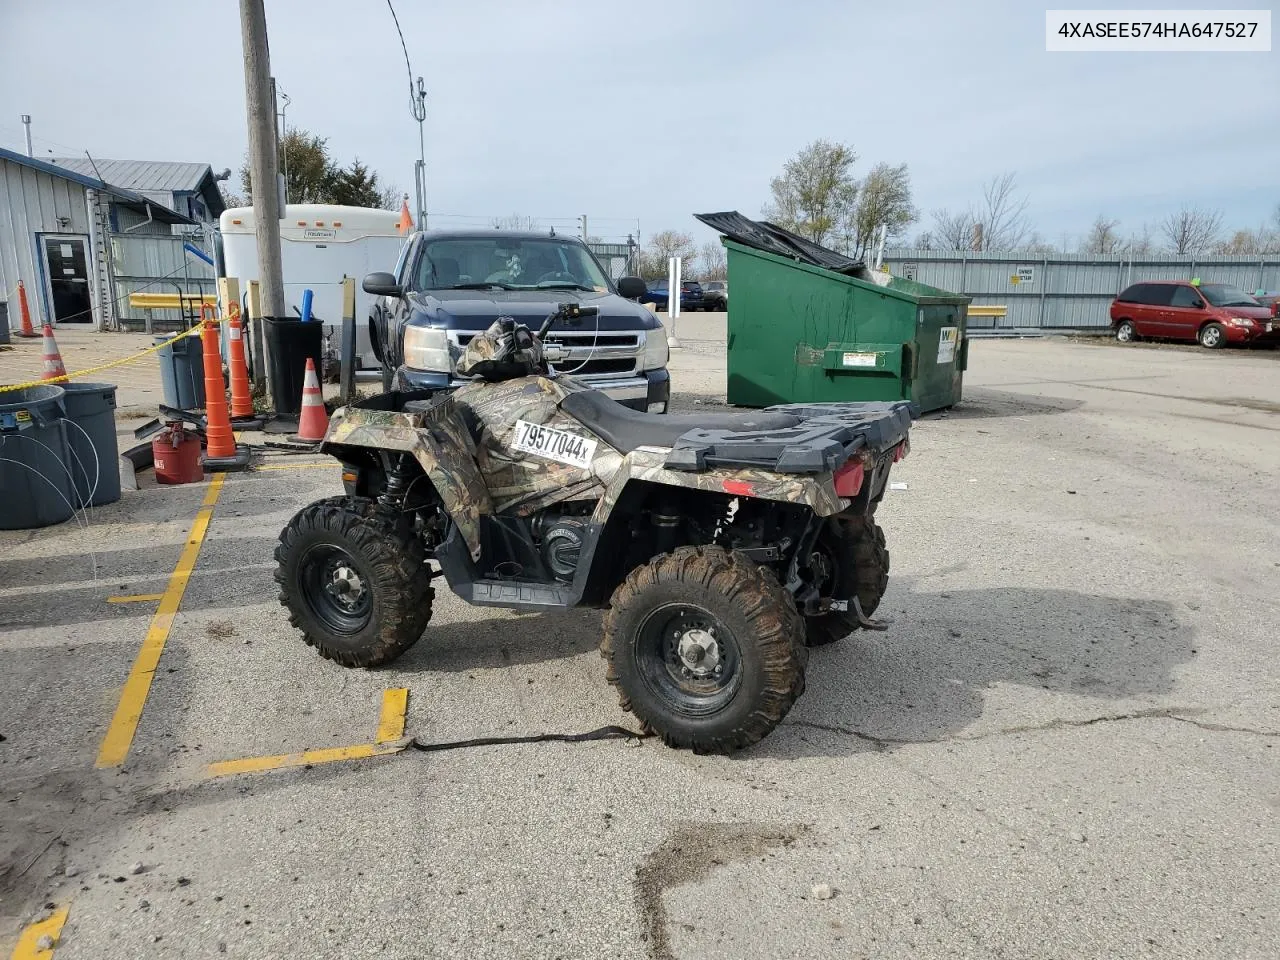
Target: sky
(639,115)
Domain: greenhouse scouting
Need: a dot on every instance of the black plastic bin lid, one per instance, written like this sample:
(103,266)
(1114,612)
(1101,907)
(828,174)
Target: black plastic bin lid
(771,238)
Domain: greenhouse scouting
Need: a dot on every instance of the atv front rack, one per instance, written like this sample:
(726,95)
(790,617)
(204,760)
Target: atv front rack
(829,434)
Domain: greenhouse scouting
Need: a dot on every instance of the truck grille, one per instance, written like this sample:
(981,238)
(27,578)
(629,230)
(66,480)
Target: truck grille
(607,354)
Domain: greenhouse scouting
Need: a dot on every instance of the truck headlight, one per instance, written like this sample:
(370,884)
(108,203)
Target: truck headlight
(427,348)
(656,353)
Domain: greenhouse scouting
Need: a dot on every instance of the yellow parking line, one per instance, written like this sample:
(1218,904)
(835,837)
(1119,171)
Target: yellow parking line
(391,722)
(119,738)
(390,728)
(296,466)
(50,927)
(135,597)
(260,764)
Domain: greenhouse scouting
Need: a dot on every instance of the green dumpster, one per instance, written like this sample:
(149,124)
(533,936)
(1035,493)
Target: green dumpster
(805,334)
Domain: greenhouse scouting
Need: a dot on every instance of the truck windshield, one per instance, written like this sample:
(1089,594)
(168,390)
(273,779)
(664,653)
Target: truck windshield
(1225,295)
(524,263)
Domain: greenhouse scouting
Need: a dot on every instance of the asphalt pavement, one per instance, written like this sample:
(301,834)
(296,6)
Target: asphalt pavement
(1064,746)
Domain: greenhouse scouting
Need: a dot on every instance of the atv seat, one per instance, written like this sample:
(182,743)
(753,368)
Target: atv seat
(625,429)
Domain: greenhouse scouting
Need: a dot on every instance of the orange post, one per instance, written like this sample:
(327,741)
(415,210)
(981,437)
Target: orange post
(221,442)
(27,329)
(241,398)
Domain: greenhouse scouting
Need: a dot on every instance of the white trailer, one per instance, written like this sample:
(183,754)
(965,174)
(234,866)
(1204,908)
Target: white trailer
(320,244)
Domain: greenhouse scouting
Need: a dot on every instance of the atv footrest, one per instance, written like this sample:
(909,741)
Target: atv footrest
(511,593)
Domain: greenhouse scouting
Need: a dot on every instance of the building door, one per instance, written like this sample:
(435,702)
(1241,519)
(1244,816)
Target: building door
(67,268)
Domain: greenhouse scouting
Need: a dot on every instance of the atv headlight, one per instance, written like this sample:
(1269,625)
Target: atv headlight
(656,353)
(427,348)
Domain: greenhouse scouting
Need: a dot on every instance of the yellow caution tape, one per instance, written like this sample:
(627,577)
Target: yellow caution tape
(105,366)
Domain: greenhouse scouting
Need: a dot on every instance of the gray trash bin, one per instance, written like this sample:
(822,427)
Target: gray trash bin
(182,371)
(4,322)
(33,473)
(92,455)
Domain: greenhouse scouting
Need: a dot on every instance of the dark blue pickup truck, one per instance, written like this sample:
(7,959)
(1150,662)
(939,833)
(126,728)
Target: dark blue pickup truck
(451,285)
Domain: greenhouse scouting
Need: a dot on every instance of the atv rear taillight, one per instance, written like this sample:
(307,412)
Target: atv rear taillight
(901,450)
(848,479)
(739,488)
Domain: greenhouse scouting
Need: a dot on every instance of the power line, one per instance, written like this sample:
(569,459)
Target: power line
(413,98)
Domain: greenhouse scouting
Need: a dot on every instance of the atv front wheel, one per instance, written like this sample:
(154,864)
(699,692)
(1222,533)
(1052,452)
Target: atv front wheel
(706,648)
(850,560)
(354,581)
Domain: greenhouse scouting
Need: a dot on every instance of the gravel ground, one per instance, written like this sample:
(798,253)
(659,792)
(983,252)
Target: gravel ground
(1063,746)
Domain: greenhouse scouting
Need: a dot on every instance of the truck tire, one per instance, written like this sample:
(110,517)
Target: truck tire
(1213,336)
(854,548)
(706,648)
(354,580)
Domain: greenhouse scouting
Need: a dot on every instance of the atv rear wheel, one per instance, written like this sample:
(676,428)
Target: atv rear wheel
(855,559)
(706,648)
(354,580)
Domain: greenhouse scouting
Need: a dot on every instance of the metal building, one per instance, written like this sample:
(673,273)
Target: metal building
(190,189)
(57,227)
(1065,290)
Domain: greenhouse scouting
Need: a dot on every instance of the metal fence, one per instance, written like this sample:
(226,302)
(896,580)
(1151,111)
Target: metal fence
(618,259)
(1065,290)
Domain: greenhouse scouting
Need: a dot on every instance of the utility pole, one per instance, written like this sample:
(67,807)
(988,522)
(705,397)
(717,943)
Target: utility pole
(420,165)
(261,112)
(26,126)
(583,220)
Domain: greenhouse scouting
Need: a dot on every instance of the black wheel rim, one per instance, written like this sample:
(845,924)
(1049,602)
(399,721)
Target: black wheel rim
(689,658)
(336,589)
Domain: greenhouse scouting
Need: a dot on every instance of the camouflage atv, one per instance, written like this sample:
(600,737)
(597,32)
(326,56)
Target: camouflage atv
(720,545)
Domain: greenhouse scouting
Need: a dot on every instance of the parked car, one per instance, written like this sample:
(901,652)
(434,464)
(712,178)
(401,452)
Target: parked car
(451,285)
(1270,299)
(691,297)
(1214,314)
(715,293)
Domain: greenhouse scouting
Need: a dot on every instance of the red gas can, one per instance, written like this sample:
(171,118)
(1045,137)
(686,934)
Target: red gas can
(177,455)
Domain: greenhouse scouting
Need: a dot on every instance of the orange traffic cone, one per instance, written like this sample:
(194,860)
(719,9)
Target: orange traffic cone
(241,398)
(27,329)
(314,422)
(221,450)
(54,369)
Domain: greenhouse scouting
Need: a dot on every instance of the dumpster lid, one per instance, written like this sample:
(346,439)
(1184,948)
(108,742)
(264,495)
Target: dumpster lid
(771,238)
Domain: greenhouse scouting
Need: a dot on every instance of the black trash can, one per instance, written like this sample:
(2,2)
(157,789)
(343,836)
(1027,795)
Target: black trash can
(182,371)
(289,344)
(92,454)
(33,472)
(4,322)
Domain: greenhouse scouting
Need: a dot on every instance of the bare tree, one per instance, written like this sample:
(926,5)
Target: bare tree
(1191,230)
(1103,237)
(1003,215)
(1139,244)
(953,231)
(664,245)
(515,221)
(715,266)
(815,190)
(1037,246)
(1247,242)
(884,199)
(924,241)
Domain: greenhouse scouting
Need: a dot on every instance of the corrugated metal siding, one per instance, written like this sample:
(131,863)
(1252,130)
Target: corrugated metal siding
(31,202)
(1070,290)
(156,264)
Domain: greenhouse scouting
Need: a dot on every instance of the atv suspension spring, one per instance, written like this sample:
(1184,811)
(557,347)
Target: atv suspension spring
(399,478)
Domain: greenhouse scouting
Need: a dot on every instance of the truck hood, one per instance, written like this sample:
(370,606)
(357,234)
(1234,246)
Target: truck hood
(476,309)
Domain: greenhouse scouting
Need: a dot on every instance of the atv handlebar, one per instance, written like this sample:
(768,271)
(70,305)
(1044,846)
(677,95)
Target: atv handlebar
(566,311)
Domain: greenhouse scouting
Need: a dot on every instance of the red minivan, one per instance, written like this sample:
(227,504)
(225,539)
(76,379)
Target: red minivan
(1215,314)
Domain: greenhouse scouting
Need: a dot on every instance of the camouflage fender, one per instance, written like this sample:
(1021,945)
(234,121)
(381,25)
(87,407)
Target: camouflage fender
(815,492)
(439,441)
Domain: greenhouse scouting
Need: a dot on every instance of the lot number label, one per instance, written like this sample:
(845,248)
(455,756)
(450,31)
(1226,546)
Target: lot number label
(559,445)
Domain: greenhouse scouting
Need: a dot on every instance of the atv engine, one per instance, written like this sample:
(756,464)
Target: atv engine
(560,538)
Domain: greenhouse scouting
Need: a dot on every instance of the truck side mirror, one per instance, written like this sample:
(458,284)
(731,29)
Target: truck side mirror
(382,284)
(632,288)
